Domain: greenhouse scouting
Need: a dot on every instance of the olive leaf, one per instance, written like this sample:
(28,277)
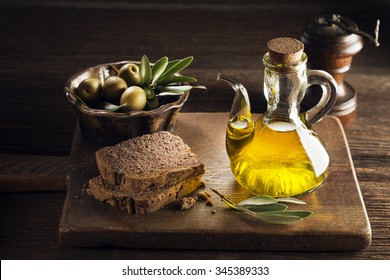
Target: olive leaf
(108,106)
(300,213)
(277,218)
(158,69)
(174,88)
(268,209)
(282,217)
(290,200)
(258,200)
(173,79)
(199,87)
(166,93)
(145,71)
(176,66)
(163,76)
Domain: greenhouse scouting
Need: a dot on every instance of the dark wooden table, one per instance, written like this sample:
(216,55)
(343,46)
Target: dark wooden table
(42,44)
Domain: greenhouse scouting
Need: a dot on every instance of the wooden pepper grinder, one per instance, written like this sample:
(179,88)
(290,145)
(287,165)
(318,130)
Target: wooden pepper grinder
(330,43)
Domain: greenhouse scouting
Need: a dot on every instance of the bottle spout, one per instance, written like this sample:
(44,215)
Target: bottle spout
(241,105)
(228,79)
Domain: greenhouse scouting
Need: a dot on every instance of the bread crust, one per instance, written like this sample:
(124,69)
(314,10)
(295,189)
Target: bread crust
(141,201)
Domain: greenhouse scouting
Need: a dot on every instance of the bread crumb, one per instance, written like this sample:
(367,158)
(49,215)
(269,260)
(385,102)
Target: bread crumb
(186,202)
(209,202)
(112,202)
(214,211)
(203,196)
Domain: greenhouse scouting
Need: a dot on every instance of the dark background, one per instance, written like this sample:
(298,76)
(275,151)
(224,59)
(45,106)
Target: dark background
(43,43)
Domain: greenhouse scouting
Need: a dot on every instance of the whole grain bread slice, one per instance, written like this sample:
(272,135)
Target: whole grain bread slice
(141,201)
(152,160)
(113,195)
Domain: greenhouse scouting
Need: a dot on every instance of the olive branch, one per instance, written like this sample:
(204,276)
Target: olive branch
(268,209)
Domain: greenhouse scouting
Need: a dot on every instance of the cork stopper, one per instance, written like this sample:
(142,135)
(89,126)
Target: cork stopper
(285,50)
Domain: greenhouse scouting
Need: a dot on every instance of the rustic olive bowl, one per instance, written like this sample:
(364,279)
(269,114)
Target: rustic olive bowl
(108,128)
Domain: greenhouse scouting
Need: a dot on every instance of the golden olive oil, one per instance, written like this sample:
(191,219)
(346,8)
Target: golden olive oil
(277,159)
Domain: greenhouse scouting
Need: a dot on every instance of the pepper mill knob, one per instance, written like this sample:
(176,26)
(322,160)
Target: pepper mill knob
(330,43)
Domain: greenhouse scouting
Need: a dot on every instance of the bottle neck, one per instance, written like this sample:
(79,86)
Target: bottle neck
(284,88)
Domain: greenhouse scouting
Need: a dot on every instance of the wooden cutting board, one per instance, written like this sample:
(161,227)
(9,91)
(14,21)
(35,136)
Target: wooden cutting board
(339,221)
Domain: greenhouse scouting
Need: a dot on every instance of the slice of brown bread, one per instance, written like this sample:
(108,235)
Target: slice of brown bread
(158,159)
(111,194)
(141,201)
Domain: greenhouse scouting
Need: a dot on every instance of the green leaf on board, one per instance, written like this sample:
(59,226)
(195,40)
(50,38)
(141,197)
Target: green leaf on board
(258,200)
(300,213)
(266,207)
(282,217)
(277,218)
(290,200)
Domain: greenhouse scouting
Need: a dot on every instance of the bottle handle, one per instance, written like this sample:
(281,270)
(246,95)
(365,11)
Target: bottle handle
(328,98)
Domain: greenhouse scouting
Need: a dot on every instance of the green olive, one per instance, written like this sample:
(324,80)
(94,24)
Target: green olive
(130,73)
(113,88)
(89,90)
(135,99)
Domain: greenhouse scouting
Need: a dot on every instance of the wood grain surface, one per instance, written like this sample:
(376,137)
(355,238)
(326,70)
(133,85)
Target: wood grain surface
(43,43)
(339,222)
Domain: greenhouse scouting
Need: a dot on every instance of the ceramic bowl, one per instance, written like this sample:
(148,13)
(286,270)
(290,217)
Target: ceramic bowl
(108,128)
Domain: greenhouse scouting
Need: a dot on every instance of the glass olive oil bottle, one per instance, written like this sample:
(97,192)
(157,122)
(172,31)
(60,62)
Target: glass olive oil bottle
(279,154)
